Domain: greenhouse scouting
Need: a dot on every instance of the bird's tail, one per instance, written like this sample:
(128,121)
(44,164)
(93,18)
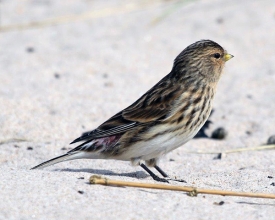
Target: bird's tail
(64,157)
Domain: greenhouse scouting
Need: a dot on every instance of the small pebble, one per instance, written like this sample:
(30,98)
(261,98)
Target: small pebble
(270,177)
(57,76)
(105,75)
(249,96)
(219,156)
(63,148)
(219,20)
(108,84)
(81,178)
(53,112)
(219,203)
(80,192)
(271,140)
(16,146)
(29,148)
(171,159)
(272,184)
(219,133)
(30,49)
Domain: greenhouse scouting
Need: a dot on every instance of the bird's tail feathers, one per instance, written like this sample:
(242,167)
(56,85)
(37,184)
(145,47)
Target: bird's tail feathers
(62,158)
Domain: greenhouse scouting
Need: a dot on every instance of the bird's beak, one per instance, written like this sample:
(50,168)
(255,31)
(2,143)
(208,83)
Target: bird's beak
(228,57)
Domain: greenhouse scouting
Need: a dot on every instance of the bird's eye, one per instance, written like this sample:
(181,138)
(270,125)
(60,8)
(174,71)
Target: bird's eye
(217,55)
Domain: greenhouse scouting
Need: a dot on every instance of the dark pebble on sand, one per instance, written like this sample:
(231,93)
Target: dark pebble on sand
(29,148)
(271,140)
(219,134)
(218,157)
(219,20)
(57,76)
(105,75)
(30,49)
(219,203)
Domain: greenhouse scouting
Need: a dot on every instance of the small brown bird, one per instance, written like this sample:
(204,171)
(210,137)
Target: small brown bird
(163,119)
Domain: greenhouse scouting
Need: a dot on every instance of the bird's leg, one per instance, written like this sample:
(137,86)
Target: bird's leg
(165,175)
(161,171)
(154,176)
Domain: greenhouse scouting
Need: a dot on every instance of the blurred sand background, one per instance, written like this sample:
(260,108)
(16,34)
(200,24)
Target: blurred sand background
(67,66)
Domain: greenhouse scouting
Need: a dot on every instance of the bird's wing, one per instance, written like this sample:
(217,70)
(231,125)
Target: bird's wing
(115,125)
(153,105)
(156,104)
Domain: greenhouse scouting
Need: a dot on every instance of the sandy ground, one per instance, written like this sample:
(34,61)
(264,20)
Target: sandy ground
(67,75)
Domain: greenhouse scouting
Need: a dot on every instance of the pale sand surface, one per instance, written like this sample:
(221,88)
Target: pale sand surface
(86,69)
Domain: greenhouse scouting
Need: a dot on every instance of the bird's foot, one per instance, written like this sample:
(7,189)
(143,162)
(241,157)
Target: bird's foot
(163,180)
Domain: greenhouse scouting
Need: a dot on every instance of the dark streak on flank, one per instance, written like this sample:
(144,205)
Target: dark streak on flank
(179,119)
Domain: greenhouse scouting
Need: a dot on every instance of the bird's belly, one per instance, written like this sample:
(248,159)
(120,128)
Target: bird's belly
(157,146)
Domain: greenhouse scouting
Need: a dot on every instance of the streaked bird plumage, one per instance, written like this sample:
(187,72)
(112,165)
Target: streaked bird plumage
(164,118)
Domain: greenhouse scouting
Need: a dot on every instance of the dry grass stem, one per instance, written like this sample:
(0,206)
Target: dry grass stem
(263,147)
(192,191)
(175,6)
(126,8)
(11,140)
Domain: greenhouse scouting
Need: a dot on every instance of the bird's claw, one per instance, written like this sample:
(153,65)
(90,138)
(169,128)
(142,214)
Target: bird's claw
(164,180)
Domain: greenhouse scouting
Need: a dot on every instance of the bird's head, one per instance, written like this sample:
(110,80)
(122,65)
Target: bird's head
(204,59)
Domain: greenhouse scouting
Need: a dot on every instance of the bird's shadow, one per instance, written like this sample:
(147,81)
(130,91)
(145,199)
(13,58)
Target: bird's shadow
(137,174)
